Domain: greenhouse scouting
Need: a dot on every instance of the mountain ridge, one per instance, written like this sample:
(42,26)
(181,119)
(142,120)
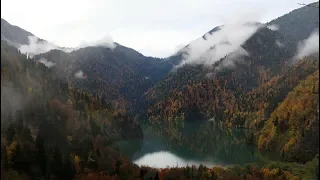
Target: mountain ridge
(60,120)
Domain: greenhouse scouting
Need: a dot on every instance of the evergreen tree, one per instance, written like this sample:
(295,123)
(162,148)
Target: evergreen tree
(16,157)
(68,167)
(56,164)
(282,155)
(26,135)
(41,157)
(157,176)
(5,161)
(213,176)
(10,134)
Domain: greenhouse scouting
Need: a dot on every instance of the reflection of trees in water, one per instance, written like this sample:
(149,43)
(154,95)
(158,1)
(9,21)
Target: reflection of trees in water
(209,140)
(129,147)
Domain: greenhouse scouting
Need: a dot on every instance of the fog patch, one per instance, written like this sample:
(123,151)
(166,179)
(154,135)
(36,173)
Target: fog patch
(36,46)
(279,44)
(11,99)
(79,75)
(226,41)
(273,27)
(47,63)
(230,60)
(106,41)
(308,46)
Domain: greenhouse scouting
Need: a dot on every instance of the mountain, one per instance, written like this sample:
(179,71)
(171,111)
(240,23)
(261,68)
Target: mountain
(121,75)
(62,111)
(266,60)
(293,127)
(25,41)
(251,92)
(14,34)
(299,23)
(54,130)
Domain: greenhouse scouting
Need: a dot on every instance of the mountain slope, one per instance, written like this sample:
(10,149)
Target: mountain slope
(299,23)
(65,133)
(58,122)
(120,75)
(213,91)
(53,130)
(14,34)
(247,94)
(293,127)
(191,85)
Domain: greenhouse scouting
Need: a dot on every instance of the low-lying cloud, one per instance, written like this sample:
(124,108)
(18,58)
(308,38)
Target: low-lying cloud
(106,41)
(37,46)
(273,27)
(219,44)
(308,46)
(79,75)
(11,98)
(47,63)
(279,44)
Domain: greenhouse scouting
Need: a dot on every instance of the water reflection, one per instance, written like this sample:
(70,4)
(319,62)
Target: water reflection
(163,159)
(191,143)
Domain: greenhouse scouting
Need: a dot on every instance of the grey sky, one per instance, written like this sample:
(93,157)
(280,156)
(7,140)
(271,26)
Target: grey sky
(153,27)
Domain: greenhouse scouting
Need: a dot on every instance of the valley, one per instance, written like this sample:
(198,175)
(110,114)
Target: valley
(195,143)
(244,107)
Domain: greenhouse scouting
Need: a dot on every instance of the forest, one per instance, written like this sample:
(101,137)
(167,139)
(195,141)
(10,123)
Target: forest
(62,132)
(56,124)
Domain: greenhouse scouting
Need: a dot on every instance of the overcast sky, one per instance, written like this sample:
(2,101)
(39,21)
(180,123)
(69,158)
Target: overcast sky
(152,27)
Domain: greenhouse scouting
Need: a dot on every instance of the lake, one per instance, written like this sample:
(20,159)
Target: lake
(191,143)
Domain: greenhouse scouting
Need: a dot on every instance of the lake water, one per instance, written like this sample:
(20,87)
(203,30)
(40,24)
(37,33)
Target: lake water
(191,143)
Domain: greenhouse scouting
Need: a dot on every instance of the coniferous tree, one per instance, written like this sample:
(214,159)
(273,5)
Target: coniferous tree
(41,157)
(10,134)
(68,167)
(56,164)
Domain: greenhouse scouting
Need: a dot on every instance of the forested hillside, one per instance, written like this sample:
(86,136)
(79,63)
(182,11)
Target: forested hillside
(211,92)
(246,108)
(290,24)
(62,112)
(119,75)
(52,130)
(293,127)
(249,93)
(14,34)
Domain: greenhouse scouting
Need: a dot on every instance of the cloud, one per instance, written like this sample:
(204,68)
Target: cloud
(215,46)
(308,46)
(47,63)
(179,48)
(11,98)
(231,58)
(279,44)
(106,41)
(36,46)
(273,27)
(79,75)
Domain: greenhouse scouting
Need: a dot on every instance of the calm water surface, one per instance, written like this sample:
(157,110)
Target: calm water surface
(192,143)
